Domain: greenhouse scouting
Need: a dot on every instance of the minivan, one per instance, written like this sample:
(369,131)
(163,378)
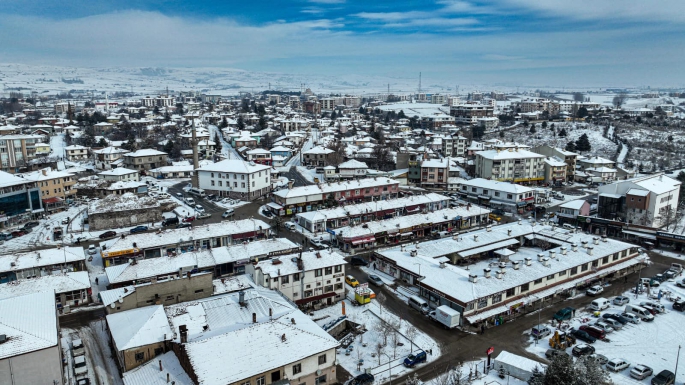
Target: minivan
(419,304)
(540,331)
(599,304)
(170,221)
(190,201)
(641,312)
(659,307)
(568,226)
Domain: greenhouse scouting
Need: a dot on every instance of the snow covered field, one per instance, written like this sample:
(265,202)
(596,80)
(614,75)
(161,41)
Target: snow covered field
(370,317)
(654,344)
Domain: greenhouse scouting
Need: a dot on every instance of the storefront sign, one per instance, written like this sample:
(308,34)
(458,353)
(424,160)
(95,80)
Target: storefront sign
(108,254)
(662,234)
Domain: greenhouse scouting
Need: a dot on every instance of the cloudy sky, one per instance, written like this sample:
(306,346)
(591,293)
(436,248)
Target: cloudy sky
(511,42)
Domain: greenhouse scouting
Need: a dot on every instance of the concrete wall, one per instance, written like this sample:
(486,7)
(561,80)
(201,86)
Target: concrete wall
(170,292)
(308,374)
(148,351)
(118,219)
(39,367)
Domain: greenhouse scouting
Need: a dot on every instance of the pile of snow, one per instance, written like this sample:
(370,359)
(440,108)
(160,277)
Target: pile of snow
(128,201)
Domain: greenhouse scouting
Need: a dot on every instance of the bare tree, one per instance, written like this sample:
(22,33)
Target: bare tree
(380,300)
(411,333)
(413,379)
(379,349)
(394,336)
(387,330)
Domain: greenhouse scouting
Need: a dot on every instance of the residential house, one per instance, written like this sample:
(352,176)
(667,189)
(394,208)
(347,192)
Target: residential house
(514,165)
(505,196)
(106,158)
(570,158)
(319,156)
(259,155)
(555,170)
(76,153)
(434,173)
(235,178)
(569,211)
(120,175)
(352,169)
(56,187)
(145,159)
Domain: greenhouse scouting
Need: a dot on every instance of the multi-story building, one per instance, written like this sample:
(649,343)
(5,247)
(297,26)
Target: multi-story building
(434,173)
(533,105)
(145,159)
(17,150)
(120,175)
(235,178)
(454,145)
(469,113)
(19,199)
(505,196)
(514,165)
(294,124)
(555,170)
(319,156)
(308,279)
(259,155)
(570,158)
(328,103)
(106,158)
(159,101)
(353,101)
(437,99)
(436,121)
(55,186)
(76,153)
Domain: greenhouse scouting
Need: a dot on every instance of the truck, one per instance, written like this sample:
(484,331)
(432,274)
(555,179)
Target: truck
(447,316)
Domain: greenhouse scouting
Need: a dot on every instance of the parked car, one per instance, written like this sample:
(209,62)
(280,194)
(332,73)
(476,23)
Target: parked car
(199,208)
(203,215)
(668,274)
(318,244)
(362,379)
(617,317)
(189,219)
(184,225)
(211,197)
(593,331)
(551,353)
(83,381)
(376,280)
(583,336)
(415,358)
(621,300)
(617,364)
(594,290)
(680,283)
(190,201)
(679,305)
(352,281)
(138,229)
(32,224)
(656,305)
(170,221)
(632,318)
(564,314)
(290,226)
(77,348)
(665,377)
(18,233)
(603,326)
(108,234)
(80,366)
(582,350)
(616,325)
(267,213)
(228,213)
(641,372)
(600,358)
(179,196)
(540,331)
(92,249)
(358,261)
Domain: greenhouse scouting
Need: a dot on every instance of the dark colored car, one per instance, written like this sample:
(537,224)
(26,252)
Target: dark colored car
(415,358)
(138,229)
(679,305)
(551,353)
(17,233)
(362,379)
(665,377)
(170,221)
(358,261)
(583,336)
(188,219)
(26,230)
(108,234)
(668,274)
(498,212)
(564,314)
(593,331)
(267,213)
(183,225)
(32,224)
(582,350)
(617,317)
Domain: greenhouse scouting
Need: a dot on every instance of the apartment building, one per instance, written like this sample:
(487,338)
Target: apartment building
(436,121)
(76,153)
(534,105)
(438,99)
(145,159)
(19,199)
(308,279)
(106,158)
(235,178)
(318,156)
(120,175)
(555,170)
(454,145)
(470,113)
(17,150)
(570,158)
(513,165)
(434,173)
(505,196)
(55,186)
(158,101)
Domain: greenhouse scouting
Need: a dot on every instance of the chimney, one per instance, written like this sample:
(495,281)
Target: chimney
(509,232)
(528,261)
(487,273)
(290,184)
(540,256)
(553,226)
(595,240)
(545,262)
(498,274)
(552,253)
(413,253)
(473,278)
(563,250)
(604,238)
(44,172)
(520,221)
(475,237)
(574,246)
(167,378)
(183,331)
(443,265)
(488,228)
(589,250)
(516,264)
(584,244)
(160,365)
(254,318)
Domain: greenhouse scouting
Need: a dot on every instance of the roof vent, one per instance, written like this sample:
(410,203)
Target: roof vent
(545,262)
(276,261)
(528,261)
(604,238)
(508,232)
(475,237)
(487,273)
(595,240)
(488,228)
(589,250)
(516,264)
(473,278)
(563,250)
(552,253)
(3,338)
(499,274)
(540,256)
(413,253)
(443,265)
(574,246)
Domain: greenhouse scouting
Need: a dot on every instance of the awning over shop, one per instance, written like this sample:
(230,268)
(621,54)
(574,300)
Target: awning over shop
(487,314)
(314,298)
(363,240)
(483,197)
(640,235)
(245,235)
(274,205)
(496,202)
(492,246)
(406,234)
(52,200)
(413,209)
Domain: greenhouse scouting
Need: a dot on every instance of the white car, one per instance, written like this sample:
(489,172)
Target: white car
(228,213)
(80,366)
(92,249)
(617,364)
(190,201)
(77,348)
(632,318)
(603,326)
(594,290)
(199,209)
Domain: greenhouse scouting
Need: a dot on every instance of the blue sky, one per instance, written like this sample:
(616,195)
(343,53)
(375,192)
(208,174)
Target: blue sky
(510,42)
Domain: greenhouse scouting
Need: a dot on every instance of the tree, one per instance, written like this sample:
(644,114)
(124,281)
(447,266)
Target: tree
(589,372)
(382,158)
(179,108)
(130,145)
(333,115)
(218,146)
(544,125)
(562,133)
(570,146)
(478,131)
(532,129)
(537,377)
(582,112)
(411,332)
(501,134)
(560,371)
(224,123)
(394,337)
(401,115)
(379,349)
(102,142)
(241,123)
(583,143)
(338,154)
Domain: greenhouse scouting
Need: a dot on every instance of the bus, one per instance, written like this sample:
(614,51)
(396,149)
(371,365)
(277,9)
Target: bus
(197,191)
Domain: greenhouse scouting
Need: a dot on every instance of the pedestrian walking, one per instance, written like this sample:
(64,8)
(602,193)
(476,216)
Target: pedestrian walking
(374,265)
(482,328)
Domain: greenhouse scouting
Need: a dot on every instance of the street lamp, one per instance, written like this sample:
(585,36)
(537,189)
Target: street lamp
(389,369)
(676,362)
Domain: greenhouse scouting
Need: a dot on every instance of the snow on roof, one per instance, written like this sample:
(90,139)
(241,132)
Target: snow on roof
(371,207)
(40,258)
(234,165)
(519,361)
(108,297)
(234,283)
(153,267)
(54,283)
(250,250)
(500,155)
(49,174)
(149,373)
(259,151)
(659,184)
(555,162)
(118,171)
(327,188)
(437,163)
(123,185)
(174,236)
(139,327)
(637,192)
(75,147)
(574,205)
(352,164)
(496,186)
(311,260)
(7,180)
(145,152)
(29,323)
(280,149)
(175,168)
(601,169)
(596,160)
(318,150)
(394,224)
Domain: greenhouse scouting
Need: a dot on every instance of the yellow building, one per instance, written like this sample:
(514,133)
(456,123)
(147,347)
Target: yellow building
(55,186)
(42,149)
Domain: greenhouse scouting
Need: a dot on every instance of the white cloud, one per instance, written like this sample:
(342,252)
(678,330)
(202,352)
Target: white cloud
(327,1)
(627,10)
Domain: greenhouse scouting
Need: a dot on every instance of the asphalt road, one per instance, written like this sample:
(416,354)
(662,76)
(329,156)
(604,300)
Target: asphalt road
(296,177)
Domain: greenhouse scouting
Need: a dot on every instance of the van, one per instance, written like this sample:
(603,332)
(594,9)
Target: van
(197,191)
(190,201)
(641,312)
(657,306)
(170,221)
(5,236)
(568,226)
(540,331)
(290,226)
(418,303)
(599,304)
(677,267)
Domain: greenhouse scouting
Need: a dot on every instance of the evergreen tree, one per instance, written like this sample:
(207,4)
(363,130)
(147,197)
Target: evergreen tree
(562,133)
(241,123)
(560,371)
(641,168)
(224,123)
(544,125)
(218,145)
(532,129)
(582,112)
(583,143)
(401,115)
(570,146)
(168,147)
(102,142)
(589,372)
(333,115)
(537,377)
(501,134)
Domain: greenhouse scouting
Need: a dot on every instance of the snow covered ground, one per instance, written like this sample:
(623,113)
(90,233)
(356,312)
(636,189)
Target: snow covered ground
(309,174)
(370,317)
(654,344)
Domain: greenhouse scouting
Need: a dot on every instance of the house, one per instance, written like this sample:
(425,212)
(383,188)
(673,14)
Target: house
(139,335)
(56,187)
(259,155)
(76,153)
(32,264)
(569,211)
(513,165)
(318,156)
(434,173)
(555,170)
(595,162)
(505,196)
(206,147)
(42,149)
(235,178)
(120,174)
(149,373)
(601,174)
(127,210)
(281,151)
(352,169)
(309,279)
(108,157)
(71,288)
(20,199)
(174,171)
(30,352)
(145,159)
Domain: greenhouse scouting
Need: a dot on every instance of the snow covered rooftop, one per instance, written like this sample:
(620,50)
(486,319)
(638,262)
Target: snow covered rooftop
(251,250)
(352,164)
(149,373)
(658,184)
(496,186)
(637,192)
(29,323)
(128,201)
(318,150)
(108,297)
(574,205)
(7,180)
(139,327)
(145,152)
(311,260)
(55,283)
(508,154)
(40,258)
(327,188)
(234,165)
(118,171)
(233,283)
(153,267)
(110,150)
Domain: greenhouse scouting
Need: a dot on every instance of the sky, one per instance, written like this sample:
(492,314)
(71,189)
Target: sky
(602,43)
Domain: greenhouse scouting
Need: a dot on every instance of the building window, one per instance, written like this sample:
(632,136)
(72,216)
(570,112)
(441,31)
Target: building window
(525,287)
(338,269)
(585,267)
(285,279)
(615,257)
(329,271)
(538,281)
(320,380)
(338,286)
(497,298)
(328,289)
(307,293)
(605,260)
(322,359)
(296,277)
(574,270)
(482,302)
(297,368)
(199,291)
(261,380)
(550,277)
(511,292)
(212,183)
(246,383)
(317,272)
(140,356)
(563,272)
(275,376)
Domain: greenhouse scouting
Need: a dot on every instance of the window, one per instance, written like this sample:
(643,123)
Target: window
(511,292)
(159,351)
(538,281)
(329,271)
(322,359)
(497,298)
(482,302)
(338,269)
(574,270)
(320,380)
(296,277)
(261,380)
(169,298)
(562,273)
(246,383)
(615,257)
(496,193)
(473,189)
(328,289)
(584,267)
(525,287)
(510,196)
(338,286)
(297,368)
(317,272)
(307,293)
(550,277)
(275,376)
(605,260)
(212,183)
(140,356)
(285,279)
(211,175)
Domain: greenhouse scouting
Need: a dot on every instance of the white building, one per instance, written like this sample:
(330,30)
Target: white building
(353,169)
(514,165)
(120,175)
(308,279)
(503,195)
(235,178)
